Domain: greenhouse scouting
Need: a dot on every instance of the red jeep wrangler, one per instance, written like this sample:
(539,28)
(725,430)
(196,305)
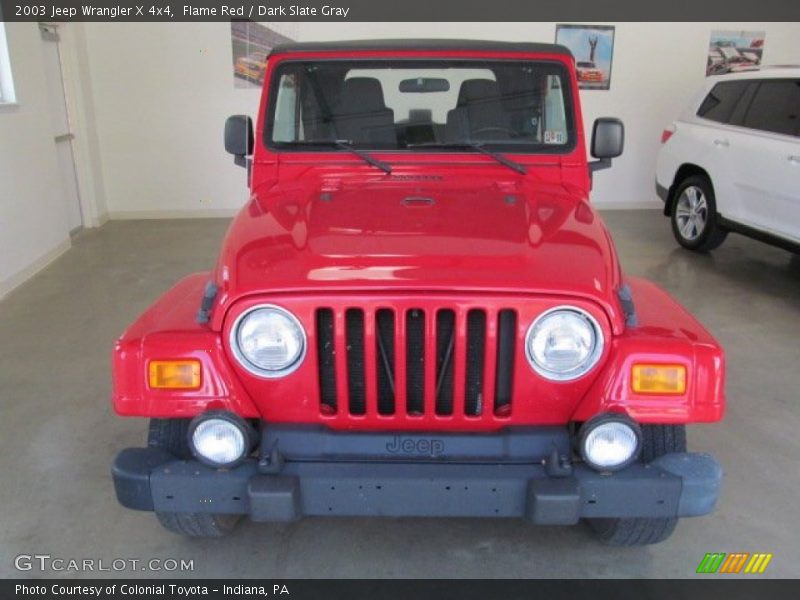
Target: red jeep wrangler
(419,313)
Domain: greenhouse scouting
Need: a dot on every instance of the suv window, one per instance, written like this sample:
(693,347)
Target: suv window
(721,100)
(518,106)
(775,107)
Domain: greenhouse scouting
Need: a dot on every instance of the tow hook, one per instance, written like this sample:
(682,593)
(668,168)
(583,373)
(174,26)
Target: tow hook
(270,461)
(557,465)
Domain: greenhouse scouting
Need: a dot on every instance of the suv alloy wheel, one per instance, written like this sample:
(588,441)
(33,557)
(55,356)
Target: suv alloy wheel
(694,215)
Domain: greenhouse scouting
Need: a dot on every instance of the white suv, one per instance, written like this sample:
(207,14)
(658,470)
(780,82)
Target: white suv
(731,162)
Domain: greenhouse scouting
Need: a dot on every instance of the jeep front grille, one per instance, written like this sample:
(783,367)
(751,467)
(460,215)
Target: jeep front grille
(415,363)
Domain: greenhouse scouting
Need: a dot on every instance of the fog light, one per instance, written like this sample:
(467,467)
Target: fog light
(220,439)
(658,379)
(174,374)
(609,442)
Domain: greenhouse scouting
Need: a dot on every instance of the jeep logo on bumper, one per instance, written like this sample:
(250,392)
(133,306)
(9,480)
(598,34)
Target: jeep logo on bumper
(426,447)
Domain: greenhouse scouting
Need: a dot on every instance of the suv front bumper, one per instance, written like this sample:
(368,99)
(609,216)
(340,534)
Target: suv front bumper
(674,485)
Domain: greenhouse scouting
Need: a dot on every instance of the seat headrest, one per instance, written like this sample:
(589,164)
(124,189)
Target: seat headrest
(477,90)
(524,92)
(420,115)
(361,94)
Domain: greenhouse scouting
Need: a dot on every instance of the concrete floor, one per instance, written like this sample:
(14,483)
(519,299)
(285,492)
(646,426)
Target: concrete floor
(59,434)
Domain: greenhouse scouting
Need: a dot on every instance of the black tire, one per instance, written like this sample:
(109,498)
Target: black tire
(657,440)
(171,435)
(198,525)
(697,239)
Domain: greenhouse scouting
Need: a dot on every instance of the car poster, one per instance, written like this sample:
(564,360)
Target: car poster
(734,51)
(251,43)
(593,49)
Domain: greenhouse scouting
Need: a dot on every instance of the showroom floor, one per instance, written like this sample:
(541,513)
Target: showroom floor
(59,434)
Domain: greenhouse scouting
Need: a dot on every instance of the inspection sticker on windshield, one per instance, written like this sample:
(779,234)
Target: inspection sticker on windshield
(554,137)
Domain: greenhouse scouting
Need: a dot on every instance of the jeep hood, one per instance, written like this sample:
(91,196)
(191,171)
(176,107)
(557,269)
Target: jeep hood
(477,233)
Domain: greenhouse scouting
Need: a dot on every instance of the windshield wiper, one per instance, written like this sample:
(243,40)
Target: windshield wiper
(502,159)
(368,158)
(345,145)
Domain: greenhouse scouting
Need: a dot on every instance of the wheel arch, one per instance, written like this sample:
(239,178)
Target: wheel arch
(684,171)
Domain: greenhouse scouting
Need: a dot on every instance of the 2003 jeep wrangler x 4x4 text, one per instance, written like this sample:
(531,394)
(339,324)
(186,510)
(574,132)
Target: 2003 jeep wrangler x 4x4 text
(419,313)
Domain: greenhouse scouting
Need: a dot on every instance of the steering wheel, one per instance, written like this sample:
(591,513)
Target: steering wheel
(505,130)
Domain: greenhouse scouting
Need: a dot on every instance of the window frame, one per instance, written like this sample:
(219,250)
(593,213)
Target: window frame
(756,90)
(744,83)
(568,96)
(7,92)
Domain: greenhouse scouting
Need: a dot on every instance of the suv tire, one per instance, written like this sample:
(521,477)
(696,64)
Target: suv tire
(171,435)
(694,215)
(657,440)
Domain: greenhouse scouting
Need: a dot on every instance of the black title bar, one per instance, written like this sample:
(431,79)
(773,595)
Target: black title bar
(166,11)
(708,588)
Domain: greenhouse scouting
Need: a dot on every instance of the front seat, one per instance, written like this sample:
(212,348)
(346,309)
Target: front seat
(478,114)
(523,102)
(360,115)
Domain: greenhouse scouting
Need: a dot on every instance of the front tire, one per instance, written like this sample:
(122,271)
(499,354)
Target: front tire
(657,440)
(171,435)
(198,525)
(694,215)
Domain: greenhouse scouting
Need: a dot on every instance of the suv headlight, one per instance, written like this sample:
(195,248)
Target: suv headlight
(563,343)
(268,341)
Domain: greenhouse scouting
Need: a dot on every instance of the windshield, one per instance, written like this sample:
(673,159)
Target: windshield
(517,106)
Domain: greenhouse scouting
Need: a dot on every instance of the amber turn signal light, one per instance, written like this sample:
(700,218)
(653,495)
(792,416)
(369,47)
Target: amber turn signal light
(174,374)
(659,379)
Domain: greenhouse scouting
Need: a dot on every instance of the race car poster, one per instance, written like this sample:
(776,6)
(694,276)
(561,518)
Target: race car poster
(733,51)
(593,49)
(251,43)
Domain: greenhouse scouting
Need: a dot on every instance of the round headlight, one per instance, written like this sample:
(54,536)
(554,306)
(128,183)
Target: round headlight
(268,341)
(564,343)
(220,439)
(609,443)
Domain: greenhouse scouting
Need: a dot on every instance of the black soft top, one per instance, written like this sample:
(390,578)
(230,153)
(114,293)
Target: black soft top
(420,44)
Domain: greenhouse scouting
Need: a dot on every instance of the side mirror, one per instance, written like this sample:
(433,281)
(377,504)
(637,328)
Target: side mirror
(239,138)
(608,140)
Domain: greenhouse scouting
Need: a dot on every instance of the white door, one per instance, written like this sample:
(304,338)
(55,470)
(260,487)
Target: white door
(711,148)
(708,143)
(61,125)
(768,182)
(765,154)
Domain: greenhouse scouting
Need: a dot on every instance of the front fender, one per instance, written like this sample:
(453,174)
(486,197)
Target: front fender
(169,330)
(666,333)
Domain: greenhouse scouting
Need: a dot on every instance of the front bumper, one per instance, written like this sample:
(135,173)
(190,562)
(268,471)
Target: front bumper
(674,485)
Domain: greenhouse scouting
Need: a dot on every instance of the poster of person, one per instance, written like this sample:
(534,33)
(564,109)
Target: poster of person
(733,51)
(251,43)
(593,48)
